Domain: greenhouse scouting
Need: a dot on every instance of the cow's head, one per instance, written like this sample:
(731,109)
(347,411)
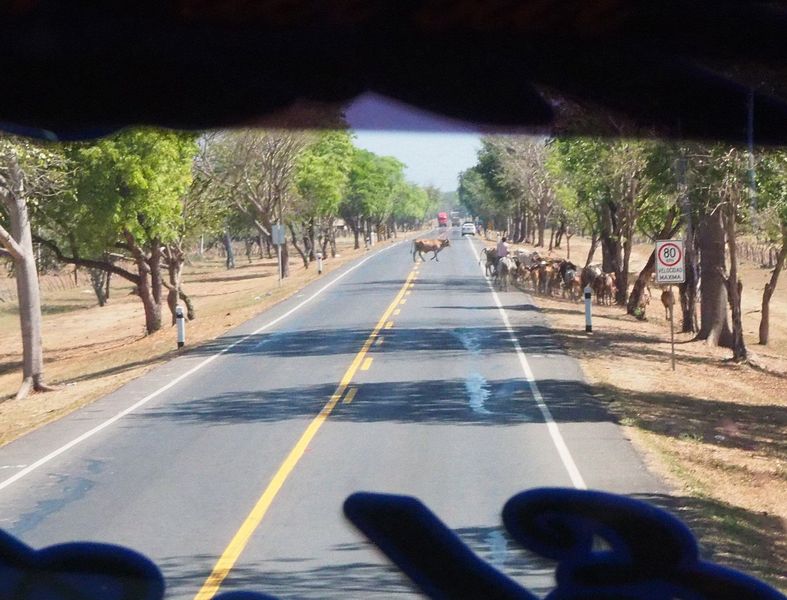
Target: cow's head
(444,243)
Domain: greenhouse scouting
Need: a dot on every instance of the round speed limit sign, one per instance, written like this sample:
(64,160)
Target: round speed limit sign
(670,254)
(669,261)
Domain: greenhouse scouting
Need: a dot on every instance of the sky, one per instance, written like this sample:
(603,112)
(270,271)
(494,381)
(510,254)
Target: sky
(434,149)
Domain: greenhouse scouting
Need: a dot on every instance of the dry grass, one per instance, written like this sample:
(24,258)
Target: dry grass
(716,430)
(90,350)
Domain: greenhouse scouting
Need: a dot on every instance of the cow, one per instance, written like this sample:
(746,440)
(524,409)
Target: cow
(668,300)
(590,274)
(489,256)
(421,246)
(505,268)
(605,288)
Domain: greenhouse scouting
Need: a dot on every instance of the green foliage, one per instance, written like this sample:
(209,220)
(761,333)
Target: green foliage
(771,199)
(323,173)
(133,181)
(413,203)
(374,184)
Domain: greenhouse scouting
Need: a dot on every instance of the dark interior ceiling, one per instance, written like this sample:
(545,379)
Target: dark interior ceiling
(690,68)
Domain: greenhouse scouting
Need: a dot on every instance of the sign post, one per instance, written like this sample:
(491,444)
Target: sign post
(670,269)
(278,237)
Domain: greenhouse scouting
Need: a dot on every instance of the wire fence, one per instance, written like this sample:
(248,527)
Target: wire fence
(46,283)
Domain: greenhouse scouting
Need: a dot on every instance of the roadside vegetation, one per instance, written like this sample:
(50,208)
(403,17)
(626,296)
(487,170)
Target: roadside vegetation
(716,427)
(140,204)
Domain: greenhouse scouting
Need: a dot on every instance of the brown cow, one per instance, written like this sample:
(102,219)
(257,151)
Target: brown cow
(421,246)
(668,300)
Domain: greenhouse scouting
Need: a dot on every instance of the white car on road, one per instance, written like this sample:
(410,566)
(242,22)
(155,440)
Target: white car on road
(468,229)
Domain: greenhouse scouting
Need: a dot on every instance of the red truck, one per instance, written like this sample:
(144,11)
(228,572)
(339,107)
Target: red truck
(442,219)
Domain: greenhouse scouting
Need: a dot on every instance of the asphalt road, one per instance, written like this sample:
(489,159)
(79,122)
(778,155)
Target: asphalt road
(379,377)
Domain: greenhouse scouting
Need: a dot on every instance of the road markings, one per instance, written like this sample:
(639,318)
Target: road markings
(554,431)
(379,341)
(389,324)
(367,363)
(408,293)
(241,538)
(350,395)
(397,311)
(403,301)
(112,420)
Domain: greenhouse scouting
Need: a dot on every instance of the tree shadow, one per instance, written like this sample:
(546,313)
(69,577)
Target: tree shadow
(507,402)
(231,277)
(329,342)
(350,575)
(759,428)
(512,307)
(613,344)
(752,542)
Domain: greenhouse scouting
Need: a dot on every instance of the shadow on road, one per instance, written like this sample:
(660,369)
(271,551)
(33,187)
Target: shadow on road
(438,401)
(330,342)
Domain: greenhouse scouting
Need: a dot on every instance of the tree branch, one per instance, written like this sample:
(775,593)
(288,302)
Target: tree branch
(10,244)
(86,262)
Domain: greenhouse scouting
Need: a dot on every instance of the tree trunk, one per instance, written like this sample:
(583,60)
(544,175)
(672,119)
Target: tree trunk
(623,274)
(20,245)
(640,284)
(770,287)
(285,260)
(592,250)
(714,327)
(667,231)
(332,236)
(98,279)
(304,255)
(561,229)
(107,285)
(226,240)
(146,286)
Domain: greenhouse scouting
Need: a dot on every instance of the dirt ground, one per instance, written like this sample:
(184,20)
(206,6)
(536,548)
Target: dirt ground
(715,430)
(90,351)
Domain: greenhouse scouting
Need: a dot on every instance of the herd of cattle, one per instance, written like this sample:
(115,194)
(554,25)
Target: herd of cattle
(549,276)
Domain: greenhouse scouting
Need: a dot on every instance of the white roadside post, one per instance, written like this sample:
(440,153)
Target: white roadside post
(319,263)
(588,309)
(180,322)
(670,269)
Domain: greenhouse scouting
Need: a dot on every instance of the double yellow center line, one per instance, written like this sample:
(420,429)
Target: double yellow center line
(233,550)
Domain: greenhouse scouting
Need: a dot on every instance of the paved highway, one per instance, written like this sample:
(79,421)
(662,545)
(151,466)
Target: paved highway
(229,465)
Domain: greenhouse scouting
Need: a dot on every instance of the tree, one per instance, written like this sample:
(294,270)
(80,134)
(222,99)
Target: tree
(126,197)
(772,201)
(718,184)
(27,173)
(255,170)
(321,178)
(372,189)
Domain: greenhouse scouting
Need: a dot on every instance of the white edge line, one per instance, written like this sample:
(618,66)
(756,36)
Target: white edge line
(88,434)
(554,431)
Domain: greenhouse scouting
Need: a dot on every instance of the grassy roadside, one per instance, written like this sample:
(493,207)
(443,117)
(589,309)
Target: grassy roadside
(90,350)
(714,430)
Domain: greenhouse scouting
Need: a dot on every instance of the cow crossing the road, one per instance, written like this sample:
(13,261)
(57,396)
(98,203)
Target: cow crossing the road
(421,246)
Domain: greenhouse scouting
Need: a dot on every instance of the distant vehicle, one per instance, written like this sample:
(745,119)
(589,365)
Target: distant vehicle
(456,222)
(442,219)
(468,229)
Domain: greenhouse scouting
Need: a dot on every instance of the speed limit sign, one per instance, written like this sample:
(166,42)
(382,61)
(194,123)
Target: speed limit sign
(670,266)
